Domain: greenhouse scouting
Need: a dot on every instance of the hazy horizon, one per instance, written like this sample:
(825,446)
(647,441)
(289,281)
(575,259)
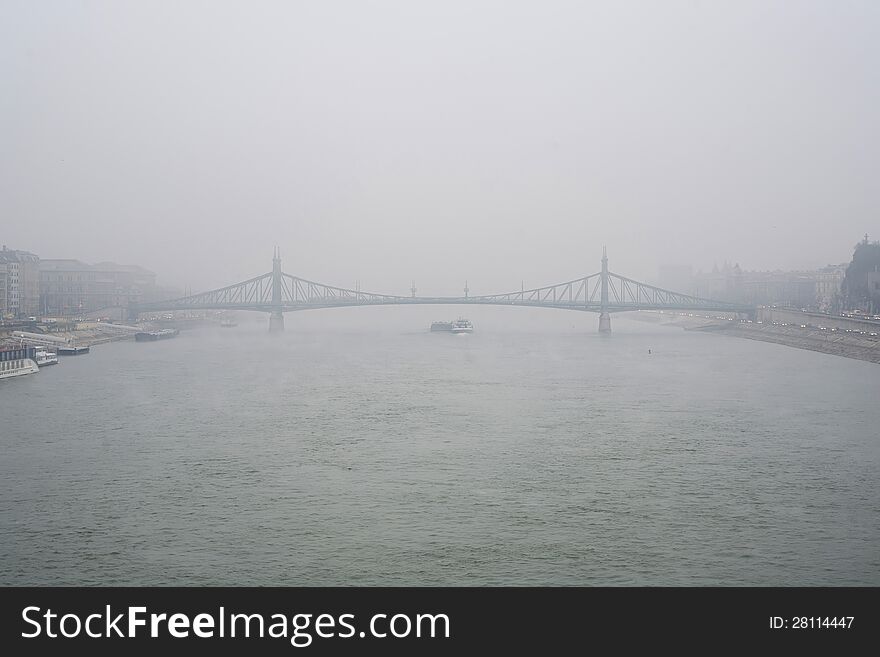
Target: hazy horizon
(386,142)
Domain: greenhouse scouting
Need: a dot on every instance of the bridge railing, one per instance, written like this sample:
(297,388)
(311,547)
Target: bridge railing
(296,291)
(623,291)
(578,292)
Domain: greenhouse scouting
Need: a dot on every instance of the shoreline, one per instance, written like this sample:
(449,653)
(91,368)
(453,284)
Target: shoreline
(837,343)
(92,333)
(86,334)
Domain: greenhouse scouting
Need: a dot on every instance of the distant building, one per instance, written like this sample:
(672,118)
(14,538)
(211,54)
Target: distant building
(829,282)
(724,284)
(4,308)
(780,288)
(814,290)
(677,278)
(21,283)
(71,287)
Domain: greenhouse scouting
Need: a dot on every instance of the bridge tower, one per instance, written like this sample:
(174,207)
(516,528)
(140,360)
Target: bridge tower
(276,317)
(604,317)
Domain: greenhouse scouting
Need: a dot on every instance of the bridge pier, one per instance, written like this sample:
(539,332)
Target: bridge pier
(276,322)
(604,317)
(276,318)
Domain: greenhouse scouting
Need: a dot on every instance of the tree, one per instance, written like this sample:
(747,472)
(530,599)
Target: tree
(860,287)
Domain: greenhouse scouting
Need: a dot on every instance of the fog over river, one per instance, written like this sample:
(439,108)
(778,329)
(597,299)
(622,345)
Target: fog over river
(357,447)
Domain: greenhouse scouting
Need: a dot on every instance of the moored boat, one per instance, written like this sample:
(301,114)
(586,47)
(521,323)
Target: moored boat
(17,361)
(461,325)
(44,357)
(150,336)
(72,351)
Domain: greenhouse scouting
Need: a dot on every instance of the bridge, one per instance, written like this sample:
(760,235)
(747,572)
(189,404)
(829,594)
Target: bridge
(276,293)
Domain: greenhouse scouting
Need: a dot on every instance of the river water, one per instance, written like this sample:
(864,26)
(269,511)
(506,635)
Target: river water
(358,448)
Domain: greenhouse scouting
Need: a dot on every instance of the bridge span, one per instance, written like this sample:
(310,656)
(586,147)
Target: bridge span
(277,292)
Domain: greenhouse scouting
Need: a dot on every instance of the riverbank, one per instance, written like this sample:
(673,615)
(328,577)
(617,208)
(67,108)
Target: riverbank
(91,333)
(82,334)
(96,333)
(837,343)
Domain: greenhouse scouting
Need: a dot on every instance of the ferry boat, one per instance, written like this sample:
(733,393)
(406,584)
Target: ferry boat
(17,361)
(44,357)
(150,336)
(461,325)
(441,326)
(72,351)
(228,323)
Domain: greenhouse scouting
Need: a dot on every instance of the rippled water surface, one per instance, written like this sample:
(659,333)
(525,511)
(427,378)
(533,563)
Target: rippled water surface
(358,448)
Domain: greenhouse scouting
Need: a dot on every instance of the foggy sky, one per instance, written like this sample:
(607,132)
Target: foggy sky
(439,141)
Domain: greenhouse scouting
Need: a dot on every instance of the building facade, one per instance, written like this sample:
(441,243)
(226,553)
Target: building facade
(71,287)
(4,308)
(812,290)
(829,284)
(21,281)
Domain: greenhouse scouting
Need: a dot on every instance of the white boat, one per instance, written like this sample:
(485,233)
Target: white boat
(228,323)
(17,361)
(45,357)
(461,325)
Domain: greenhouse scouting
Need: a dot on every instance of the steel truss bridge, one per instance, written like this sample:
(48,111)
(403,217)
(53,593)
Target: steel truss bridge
(276,293)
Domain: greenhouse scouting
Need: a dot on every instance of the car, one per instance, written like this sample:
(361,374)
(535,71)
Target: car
(803,326)
(873,334)
(822,328)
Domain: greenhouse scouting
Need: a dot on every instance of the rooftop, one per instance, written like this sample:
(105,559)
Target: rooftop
(12,255)
(77,265)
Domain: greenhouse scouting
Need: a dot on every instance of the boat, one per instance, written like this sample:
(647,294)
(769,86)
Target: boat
(228,323)
(72,351)
(44,357)
(441,326)
(17,361)
(150,336)
(461,325)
